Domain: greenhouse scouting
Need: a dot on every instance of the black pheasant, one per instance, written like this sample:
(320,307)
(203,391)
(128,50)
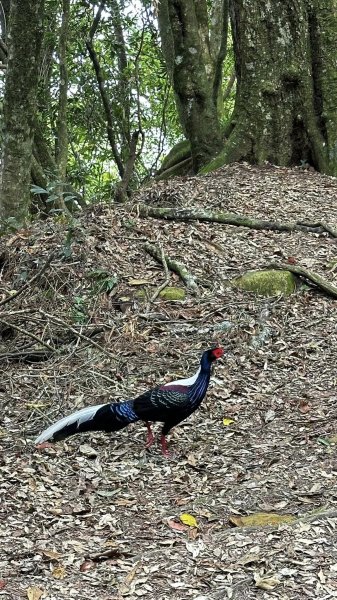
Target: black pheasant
(170,403)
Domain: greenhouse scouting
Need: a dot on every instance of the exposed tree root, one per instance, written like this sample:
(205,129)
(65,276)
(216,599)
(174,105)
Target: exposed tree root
(183,214)
(173,265)
(319,281)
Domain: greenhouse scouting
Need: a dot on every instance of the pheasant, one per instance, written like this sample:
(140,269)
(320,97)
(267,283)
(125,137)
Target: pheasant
(170,403)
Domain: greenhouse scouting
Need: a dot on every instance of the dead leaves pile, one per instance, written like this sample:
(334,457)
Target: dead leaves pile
(97,516)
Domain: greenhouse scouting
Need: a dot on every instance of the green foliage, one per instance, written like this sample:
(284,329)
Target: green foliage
(78,311)
(9,225)
(103,281)
(140,96)
(53,193)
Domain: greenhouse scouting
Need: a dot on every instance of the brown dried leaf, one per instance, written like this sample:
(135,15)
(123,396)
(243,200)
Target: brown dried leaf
(51,554)
(176,526)
(266,582)
(34,593)
(86,566)
(59,572)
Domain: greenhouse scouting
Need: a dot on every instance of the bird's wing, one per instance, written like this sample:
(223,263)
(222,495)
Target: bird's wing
(159,404)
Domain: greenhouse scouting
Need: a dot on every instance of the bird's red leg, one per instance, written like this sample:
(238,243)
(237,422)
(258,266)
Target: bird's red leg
(150,436)
(164,449)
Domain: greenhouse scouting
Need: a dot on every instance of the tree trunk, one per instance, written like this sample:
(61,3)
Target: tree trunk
(285,108)
(196,66)
(25,35)
(61,149)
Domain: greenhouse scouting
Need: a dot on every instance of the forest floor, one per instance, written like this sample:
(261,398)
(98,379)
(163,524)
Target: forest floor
(98,516)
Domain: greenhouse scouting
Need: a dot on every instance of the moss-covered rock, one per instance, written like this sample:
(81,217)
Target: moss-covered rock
(267,283)
(168,293)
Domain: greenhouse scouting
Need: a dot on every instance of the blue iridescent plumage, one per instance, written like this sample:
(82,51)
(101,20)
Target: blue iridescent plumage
(169,403)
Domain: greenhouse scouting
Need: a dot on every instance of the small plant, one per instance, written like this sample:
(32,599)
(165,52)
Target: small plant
(103,281)
(79,310)
(55,195)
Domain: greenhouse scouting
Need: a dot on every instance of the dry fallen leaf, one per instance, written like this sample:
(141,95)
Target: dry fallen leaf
(176,526)
(304,407)
(86,566)
(51,554)
(227,422)
(88,451)
(34,593)
(188,519)
(139,282)
(266,582)
(260,520)
(59,572)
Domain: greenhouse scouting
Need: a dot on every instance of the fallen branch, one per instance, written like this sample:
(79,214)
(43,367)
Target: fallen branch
(322,283)
(174,266)
(77,333)
(167,276)
(29,356)
(183,214)
(315,516)
(32,280)
(26,332)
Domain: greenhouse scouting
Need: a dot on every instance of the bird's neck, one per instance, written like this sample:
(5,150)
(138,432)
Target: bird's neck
(199,388)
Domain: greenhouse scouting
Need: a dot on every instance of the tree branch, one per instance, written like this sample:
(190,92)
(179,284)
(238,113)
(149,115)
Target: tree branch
(174,265)
(322,283)
(104,95)
(184,214)
(32,280)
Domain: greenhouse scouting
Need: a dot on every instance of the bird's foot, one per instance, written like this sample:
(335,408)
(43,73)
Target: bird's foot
(149,441)
(44,445)
(150,436)
(164,449)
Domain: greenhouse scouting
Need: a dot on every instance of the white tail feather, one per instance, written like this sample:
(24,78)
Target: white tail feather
(85,414)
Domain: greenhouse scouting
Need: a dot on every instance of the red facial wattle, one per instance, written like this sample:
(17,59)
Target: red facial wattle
(218,352)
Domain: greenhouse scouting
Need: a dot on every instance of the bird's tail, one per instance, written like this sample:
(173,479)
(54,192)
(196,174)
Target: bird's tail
(104,417)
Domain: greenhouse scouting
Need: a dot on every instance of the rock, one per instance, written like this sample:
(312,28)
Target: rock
(267,283)
(168,293)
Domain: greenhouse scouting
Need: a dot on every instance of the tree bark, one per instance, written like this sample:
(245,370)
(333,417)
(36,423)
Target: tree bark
(25,35)
(61,149)
(195,66)
(61,152)
(285,108)
(186,214)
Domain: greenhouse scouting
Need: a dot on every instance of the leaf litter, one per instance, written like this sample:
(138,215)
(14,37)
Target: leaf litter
(97,515)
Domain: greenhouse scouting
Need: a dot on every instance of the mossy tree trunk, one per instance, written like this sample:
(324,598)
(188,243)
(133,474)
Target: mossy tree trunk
(194,59)
(61,149)
(24,39)
(285,110)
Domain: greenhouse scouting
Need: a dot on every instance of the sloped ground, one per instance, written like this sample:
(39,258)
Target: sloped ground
(103,521)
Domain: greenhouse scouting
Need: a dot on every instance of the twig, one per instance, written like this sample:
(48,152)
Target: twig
(26,332)
(32,280)
(174,265)
(77,333)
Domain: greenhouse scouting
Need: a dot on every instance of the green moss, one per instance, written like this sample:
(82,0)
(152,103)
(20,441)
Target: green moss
(267,283)
(169,293)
